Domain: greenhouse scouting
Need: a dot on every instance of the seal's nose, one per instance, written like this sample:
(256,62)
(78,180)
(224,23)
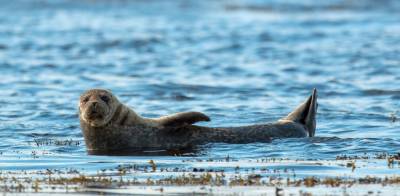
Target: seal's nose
(94,105)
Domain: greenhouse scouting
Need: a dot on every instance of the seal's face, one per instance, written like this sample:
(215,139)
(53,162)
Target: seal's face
(97,107)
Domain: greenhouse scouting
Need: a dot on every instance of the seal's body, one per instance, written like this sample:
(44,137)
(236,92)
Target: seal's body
(110,127)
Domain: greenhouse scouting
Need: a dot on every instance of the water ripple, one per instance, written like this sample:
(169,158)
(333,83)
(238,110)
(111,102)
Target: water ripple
(240,62)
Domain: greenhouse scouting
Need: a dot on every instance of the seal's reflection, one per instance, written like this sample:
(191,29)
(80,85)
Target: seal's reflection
(190,151)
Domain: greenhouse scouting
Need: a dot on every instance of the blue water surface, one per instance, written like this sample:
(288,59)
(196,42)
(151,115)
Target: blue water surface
(240,62)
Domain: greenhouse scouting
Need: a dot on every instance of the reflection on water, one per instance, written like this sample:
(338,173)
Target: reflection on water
(239,62)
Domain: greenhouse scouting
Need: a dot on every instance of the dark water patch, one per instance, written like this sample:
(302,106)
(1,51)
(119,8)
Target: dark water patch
(136,43)
(3,47)
(181,97)
(307,6)
(380,92)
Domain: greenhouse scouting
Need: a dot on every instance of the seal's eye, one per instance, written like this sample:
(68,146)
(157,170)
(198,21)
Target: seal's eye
(105,98)
(86,99)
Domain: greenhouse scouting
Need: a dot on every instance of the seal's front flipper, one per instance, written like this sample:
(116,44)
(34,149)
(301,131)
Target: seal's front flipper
(305,113)
(182,118)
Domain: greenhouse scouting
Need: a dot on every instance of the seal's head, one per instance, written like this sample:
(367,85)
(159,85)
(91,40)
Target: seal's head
(97,107)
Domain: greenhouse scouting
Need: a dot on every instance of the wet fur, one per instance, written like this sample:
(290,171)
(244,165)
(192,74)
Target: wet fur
(114,113)
(129,132)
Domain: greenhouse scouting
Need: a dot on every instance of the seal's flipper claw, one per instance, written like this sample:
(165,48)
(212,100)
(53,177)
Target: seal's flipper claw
(182,118)
(305,113)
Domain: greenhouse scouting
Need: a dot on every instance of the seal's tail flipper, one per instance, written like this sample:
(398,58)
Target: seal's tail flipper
(182,118)
(305,113)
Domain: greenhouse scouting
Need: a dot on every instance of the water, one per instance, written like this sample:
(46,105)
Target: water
(240,62)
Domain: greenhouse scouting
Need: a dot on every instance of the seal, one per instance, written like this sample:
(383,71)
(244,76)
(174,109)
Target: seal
(99,107)
(112,128)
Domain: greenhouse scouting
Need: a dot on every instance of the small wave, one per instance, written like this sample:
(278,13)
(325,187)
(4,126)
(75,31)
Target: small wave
(379,92)
(135,43)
